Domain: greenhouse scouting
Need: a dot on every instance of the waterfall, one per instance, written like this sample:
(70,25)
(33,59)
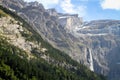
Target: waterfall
(90,59)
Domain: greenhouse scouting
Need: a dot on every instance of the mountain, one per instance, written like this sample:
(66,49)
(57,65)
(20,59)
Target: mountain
(102,38)
(94,44)
(24,55)
(46,24)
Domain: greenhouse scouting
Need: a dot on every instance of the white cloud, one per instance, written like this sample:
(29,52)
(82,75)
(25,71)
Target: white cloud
(46,3)
(110,4)
(49,3)
(68,7)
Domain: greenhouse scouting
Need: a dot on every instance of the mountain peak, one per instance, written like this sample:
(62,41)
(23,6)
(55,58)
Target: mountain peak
(35,4)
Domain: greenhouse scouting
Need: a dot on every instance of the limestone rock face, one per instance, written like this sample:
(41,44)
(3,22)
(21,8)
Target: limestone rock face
(95,44)
(102,37)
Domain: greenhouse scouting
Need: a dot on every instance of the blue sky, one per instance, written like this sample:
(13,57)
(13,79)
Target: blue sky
(88,9)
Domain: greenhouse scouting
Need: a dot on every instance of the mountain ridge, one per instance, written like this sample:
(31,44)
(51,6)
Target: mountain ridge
(29,60)
(78,39)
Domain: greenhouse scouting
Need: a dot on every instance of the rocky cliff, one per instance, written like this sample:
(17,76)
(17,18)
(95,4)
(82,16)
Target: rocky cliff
(24,55)
(102,37)
(94,44)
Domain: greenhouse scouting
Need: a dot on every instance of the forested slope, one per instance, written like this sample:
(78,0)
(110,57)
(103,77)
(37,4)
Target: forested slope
(40,61)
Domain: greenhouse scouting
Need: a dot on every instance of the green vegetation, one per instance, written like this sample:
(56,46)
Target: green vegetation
(14,67)
(2,14)
(34,36)
(14,64)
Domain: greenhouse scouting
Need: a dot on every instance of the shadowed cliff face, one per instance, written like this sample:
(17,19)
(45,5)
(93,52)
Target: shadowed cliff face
(103,39)
(95,44)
